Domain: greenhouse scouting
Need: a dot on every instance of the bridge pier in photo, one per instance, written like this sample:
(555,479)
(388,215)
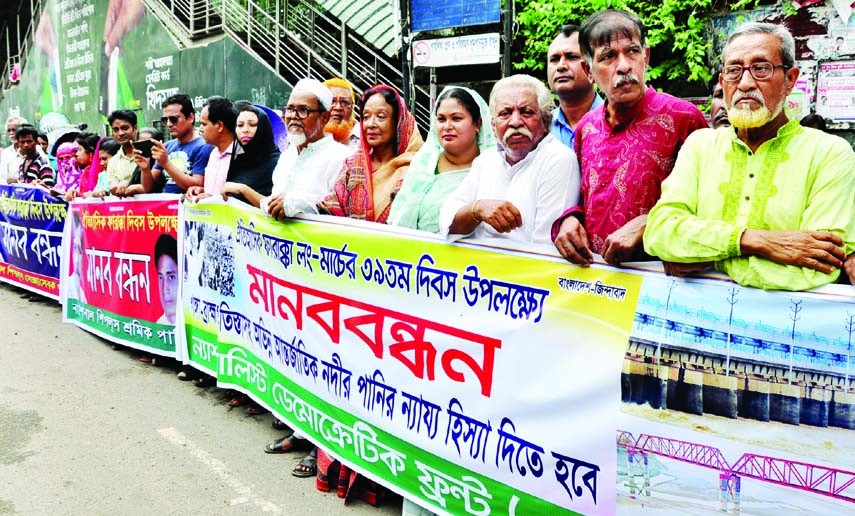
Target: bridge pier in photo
(675,372)
(648,384)
(755,399)
(719,395)
(785,402)
(729,493)
(625,381)
(842,410)
(815,406)
(639,466)
(689,391)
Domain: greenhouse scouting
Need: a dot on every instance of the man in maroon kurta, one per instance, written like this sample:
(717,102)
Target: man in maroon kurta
(626,147)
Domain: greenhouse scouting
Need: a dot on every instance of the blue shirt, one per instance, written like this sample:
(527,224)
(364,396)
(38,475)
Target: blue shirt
(562,130)
(190,157)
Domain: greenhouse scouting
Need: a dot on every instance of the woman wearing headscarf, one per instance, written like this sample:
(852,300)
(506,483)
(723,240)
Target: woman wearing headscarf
(371,178)
(255,155)
(460,129)
(89,147)
(68,169)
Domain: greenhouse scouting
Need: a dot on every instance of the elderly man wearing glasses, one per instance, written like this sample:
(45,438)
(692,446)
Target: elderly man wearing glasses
(771,203)
(342,125)
(307,170)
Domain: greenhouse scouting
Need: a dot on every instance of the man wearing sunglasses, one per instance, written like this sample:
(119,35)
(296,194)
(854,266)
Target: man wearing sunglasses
(769,203)
(182,160)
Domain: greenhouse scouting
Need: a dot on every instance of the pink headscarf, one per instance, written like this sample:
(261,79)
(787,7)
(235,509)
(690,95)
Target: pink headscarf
(89,178)
(68,171)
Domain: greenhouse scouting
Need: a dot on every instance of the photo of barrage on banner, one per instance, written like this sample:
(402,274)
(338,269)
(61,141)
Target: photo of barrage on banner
(121,270)
(470,379)
(31,223)
(738,398)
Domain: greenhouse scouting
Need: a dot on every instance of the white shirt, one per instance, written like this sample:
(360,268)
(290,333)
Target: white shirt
(10,162)
(355,136)
(306,177)
(541,186)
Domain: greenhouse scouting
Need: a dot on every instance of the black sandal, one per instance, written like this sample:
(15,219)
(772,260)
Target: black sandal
(294,444)
(309,465)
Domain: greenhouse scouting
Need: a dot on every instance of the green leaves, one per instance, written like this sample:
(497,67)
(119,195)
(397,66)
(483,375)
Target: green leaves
(676,33)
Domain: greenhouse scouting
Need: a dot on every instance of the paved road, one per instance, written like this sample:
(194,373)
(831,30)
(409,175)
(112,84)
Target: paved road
(86,430)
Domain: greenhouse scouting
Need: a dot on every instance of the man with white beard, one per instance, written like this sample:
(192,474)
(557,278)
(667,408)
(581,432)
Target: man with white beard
(771,203)
(307,170)
(515,191)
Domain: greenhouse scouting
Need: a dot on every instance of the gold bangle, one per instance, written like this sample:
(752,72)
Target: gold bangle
(472,211)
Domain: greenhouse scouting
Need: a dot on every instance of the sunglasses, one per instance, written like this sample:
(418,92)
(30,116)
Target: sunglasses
(171,119)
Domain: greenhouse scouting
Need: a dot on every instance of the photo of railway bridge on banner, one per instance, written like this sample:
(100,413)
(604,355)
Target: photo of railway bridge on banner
(737,399)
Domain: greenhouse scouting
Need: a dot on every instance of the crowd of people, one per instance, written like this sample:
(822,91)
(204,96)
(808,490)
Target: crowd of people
(632,175)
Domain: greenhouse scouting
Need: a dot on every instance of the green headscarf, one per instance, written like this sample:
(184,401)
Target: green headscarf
(422,176)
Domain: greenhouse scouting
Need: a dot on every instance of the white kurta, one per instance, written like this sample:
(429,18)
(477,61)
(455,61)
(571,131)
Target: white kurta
(541,186)
(305,178)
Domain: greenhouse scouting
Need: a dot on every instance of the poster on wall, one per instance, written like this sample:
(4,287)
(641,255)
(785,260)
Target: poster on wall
(90,57)
(836,90)
(802,97)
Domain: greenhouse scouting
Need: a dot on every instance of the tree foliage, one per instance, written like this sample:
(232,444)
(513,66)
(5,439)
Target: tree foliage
(676,32)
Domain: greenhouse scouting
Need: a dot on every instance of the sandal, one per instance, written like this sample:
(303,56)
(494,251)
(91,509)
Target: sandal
(308,467)
(205,381)
(280,425)
(254,409)
(294,444)
(186,374)
(239,401)
(145,359)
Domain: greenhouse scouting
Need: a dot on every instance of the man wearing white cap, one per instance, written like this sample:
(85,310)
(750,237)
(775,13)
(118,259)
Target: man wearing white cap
(307,170)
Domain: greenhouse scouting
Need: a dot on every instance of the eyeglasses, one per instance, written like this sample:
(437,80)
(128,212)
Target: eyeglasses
(759,71)
(344,101)
(171,119)
(301,111)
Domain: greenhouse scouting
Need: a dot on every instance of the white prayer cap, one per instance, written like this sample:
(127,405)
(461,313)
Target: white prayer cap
(316,88)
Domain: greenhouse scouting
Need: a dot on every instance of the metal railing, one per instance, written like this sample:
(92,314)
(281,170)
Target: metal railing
(294,38)
(198,19)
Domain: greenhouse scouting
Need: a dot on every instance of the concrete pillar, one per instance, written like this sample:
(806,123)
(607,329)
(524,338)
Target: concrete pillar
(729,492)
(675,373)
(785,401)
(719,395)
(755,399)
(648,384)
(815,406)
(690,392)
(842,410)
(625,384)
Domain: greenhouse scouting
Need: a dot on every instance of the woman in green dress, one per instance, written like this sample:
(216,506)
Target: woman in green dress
(460,129)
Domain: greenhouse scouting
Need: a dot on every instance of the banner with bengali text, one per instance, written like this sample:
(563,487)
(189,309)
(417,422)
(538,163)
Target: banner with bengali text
(121,270)
(472,380)
(31,223)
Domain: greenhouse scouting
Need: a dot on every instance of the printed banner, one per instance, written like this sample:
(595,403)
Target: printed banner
(471,380)
(739,400)
(31,224)
(121,270)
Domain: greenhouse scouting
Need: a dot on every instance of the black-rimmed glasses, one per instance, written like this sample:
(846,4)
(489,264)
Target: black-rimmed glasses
(759,71)
(300,112)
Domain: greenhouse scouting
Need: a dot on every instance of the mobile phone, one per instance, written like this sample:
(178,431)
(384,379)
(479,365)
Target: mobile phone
(144,146)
